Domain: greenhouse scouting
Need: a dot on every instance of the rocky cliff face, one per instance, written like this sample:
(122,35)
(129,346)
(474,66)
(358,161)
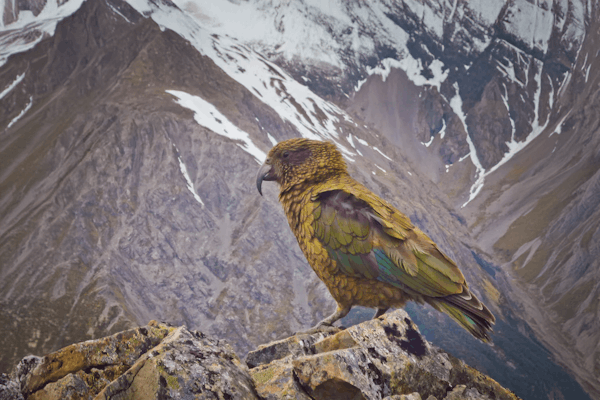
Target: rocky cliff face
(131,133)
(379,359)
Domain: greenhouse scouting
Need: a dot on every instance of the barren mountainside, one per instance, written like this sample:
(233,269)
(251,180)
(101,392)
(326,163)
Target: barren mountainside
(131,132)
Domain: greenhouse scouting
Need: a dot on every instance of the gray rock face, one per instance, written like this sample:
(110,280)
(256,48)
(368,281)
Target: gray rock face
(185,365)
(386,358)
(379,359)
(152,362)
(9,389)
(505,68)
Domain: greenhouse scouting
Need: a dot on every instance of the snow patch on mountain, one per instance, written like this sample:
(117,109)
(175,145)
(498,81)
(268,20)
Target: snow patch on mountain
(413,69)
(513,145)
(427,144)
(186,175)
(380,152)
(456,105)
(18,117)
(118,12)
(28,30)
(209,117)
(441,133)
(587,72)
(558,129)
(530,23)
(12,85)
(506,105)
(313,117)
(363,142)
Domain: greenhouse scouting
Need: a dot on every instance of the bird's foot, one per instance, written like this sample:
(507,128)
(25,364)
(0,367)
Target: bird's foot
(321,328)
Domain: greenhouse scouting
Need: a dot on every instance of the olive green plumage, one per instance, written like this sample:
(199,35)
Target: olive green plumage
(365,251)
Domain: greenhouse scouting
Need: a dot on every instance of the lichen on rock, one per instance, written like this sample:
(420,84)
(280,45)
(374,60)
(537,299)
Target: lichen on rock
(157,361)
(385,358)
(380,359)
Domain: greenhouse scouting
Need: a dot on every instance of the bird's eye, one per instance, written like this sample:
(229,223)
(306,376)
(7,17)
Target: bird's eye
(286,154)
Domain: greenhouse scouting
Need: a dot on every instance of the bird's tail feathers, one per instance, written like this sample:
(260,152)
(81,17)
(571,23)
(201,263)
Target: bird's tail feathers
(469,312)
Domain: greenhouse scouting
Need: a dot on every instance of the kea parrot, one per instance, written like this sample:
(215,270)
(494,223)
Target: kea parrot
(365,251)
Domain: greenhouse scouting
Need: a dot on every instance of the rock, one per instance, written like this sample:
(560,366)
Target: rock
(295,346)
(382,358)
(278,381)
(71,387)
(9,389)
(151,362)
(386,358)
(186,364)
(111,355)
(88,122)
(412,396)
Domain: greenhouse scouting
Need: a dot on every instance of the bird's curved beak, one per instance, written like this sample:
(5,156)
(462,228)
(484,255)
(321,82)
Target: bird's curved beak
(265,173)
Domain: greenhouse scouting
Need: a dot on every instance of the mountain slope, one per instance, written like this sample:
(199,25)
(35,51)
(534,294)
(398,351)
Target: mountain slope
(498,66)
(549,235)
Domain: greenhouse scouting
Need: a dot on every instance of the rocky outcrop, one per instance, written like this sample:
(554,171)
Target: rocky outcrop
(156,361)
(386,358)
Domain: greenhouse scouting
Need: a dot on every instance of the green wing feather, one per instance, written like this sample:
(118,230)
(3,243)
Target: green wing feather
(370,239)
(373,241)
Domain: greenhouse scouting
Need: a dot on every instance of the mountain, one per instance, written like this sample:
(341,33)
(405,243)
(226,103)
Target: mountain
(492,68)
(131,133)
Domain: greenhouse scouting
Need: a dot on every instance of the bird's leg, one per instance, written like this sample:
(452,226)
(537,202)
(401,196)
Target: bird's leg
(380,312)
(327,324)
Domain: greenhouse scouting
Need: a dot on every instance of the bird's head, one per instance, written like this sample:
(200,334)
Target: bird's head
(296,161)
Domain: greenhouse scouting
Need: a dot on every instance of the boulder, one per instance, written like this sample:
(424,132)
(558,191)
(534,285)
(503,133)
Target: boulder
(157,361)
(384,358)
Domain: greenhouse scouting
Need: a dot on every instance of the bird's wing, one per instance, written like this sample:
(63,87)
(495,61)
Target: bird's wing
(368,238)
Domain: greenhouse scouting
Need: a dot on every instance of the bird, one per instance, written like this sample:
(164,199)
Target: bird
(366,252)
